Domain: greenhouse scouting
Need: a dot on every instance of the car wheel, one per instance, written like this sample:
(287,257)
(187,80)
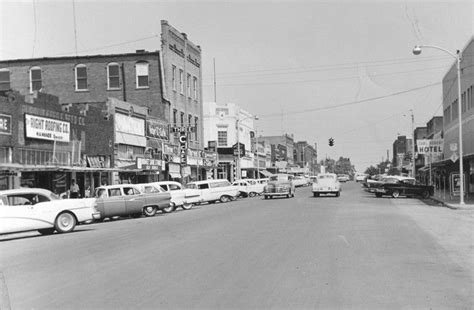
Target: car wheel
(65,222)
(46,231)
(396,194)
(265,197)
(425,194)
(252,194)
(150,211)
(169,209)
(316,194)
(187,206)
(338,194)
(378,195)
(224,198)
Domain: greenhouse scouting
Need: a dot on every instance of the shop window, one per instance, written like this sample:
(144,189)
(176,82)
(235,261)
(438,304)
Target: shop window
(35,79)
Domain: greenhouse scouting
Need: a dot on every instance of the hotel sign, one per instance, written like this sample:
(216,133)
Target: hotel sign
(46,128)
(427,146)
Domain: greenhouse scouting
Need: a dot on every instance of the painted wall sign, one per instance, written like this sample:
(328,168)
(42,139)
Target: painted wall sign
(427,146)
(130,125)
(5,124)
(157,129)
(46,128)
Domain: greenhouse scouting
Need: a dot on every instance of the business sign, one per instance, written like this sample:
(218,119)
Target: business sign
(46,128)
(5,124)
(429,146)
(239,147)
(148,163)
(157,129)
(129,124)
(183,148)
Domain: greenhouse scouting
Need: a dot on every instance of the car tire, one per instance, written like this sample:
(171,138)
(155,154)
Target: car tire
(46,231)
(187,206)
(378,195)
(338,194)
(425,194)
(315,194)
(252,194)
(396,194)
(224,198)
(169,209)
(149,211)
(65,222)
(265,197)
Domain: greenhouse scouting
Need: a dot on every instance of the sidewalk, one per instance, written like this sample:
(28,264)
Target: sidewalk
(453,202)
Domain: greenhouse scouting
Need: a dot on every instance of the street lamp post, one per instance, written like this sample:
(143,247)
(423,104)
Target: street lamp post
(237,127)
(457,56)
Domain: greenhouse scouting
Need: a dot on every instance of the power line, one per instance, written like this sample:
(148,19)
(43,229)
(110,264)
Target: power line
(353,102)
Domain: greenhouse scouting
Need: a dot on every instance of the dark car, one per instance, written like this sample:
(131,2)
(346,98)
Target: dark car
(404,187)
(129,200)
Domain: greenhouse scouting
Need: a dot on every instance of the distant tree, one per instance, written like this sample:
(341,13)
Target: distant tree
(393,171)
(372,170)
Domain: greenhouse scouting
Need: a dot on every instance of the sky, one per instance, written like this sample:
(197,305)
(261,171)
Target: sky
(314,69)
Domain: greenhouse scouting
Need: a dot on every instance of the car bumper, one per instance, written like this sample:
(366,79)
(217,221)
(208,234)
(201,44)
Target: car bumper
(326,192)
(380,190)
(96,215)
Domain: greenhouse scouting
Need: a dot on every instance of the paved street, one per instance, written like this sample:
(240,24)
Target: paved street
(355,251)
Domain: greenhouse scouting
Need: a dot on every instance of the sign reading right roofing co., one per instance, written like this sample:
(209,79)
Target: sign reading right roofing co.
(428,147)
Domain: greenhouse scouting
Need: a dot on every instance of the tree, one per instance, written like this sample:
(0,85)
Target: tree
(372,170)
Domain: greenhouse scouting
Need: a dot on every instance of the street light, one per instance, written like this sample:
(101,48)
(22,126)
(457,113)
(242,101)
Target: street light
(237,126)
(457,56)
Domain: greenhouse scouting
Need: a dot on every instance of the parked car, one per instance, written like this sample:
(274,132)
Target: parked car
(248,187)
(27,209)
(263,181)
(312,179)
(404,187)
(180,197)
(299,181)
(129,200)
(150,188)
(279,185)
(343,178)
(374,185)
(212,190)
(326,183)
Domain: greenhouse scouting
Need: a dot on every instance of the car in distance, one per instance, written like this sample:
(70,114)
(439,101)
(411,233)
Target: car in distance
(279,185)
(180,197)
(404,187)
(326,183)
(27,209)
(300,181)
(129,200)
(212,190)
(360,177)
(343,178)
(248,187)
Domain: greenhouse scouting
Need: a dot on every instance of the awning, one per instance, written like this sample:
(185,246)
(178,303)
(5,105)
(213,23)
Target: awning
(266,173)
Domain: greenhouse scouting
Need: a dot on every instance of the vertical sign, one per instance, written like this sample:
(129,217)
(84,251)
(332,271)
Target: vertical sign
(183,148)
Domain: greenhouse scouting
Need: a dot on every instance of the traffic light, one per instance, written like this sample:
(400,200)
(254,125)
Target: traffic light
(331,142)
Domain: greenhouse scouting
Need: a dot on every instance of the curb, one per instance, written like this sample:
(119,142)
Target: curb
(451,206)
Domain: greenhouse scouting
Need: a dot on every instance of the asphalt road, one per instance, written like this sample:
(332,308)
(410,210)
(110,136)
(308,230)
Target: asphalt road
(355,252)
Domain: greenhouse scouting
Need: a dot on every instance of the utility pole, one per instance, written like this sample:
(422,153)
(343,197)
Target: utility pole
(413,144)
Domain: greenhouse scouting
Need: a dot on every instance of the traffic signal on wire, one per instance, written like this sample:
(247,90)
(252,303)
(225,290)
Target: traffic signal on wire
(331,142)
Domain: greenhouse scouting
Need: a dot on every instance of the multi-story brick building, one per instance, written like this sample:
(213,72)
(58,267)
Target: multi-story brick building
(306,157)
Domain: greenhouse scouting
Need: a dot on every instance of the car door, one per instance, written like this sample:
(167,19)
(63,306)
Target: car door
(114,204)
(134,200)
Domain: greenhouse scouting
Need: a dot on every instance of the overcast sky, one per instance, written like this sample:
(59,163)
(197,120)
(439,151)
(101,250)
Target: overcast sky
(309,68)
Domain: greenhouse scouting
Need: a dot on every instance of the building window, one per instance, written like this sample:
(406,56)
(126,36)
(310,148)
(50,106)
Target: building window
(196,121)
(181,85)
(182,118)
(35,79)
(175,117)
(141,69)
(81,77)
(4,79)
(173,77)
(188,85)
(113,76)
(195,81)
(222,138)
(454,110)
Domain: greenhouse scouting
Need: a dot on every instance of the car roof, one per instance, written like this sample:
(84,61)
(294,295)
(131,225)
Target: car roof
(208,181)
(120,185)
(165,182)
(25,190)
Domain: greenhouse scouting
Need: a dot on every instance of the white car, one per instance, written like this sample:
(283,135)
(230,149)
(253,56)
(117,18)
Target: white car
(299,181)
(249,187)
(326,183)
(27,209)
(213,190)
(360,177)
(180,197)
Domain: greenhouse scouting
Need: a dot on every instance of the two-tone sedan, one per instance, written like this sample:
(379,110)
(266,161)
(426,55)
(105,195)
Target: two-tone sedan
(28,209)
(279,185)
